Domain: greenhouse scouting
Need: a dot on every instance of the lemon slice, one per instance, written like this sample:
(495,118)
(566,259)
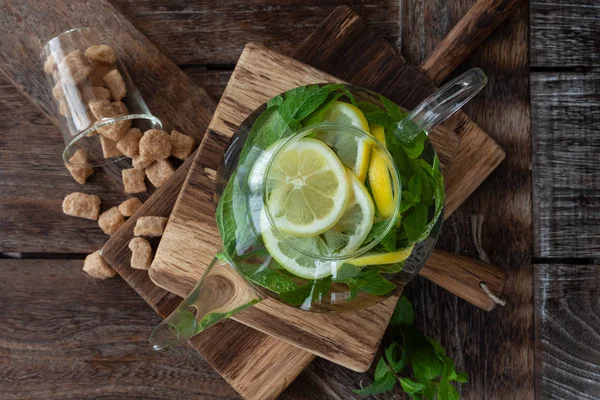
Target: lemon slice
(257,172)
(292,260)
(354,152)
(382,258)
(351,230)
(379,178)
(308,188)
(344,238)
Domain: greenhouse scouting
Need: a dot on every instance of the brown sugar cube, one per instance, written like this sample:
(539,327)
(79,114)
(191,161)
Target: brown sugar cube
(150,226)
(141,253)
(159,172)
(155,145)
(181,145)
(49,64)
(120,108)
(80,174)
(129,206)
(77,65)
(110,221)
(98,71)
(129,144)
(58,93)
(115,83)
(140,163)
(95,266)
(92,93)
(64,109)
(101,53)
(133,180)
(115,131)
(109,148)
(102,108)
(82,205)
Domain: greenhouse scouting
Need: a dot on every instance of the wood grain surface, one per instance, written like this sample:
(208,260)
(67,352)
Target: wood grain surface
(565,116)
(208,32)
(565,33)
(168,91)
(66,335)
(477,24)
(567,329)
(494,224)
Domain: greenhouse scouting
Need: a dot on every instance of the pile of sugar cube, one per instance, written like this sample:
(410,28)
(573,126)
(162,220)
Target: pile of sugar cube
(149,151)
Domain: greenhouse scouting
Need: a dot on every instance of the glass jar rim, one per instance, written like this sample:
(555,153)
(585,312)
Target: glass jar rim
(353,130)
(104,122)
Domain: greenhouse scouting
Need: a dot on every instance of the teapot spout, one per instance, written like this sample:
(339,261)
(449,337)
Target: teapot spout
(220,293)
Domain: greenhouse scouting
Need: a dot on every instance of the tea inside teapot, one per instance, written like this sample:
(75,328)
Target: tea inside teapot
(322,205)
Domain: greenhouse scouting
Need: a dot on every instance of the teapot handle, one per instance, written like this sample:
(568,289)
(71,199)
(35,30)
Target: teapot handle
(444,102)
(219,294)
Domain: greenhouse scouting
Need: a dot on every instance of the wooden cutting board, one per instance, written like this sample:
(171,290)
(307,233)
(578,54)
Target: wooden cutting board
(332,49)
(191,237)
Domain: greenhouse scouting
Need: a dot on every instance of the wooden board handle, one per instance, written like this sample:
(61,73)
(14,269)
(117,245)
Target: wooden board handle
(463,276)
(466,36)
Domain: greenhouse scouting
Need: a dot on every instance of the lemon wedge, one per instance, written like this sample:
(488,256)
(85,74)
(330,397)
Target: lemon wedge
(308,188)
(382,258)
(353,151)
(379,178)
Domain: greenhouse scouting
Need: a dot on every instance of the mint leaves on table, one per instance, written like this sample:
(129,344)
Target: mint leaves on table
(418,363)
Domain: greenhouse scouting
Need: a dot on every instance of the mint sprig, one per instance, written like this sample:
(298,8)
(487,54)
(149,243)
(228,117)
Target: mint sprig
(417,363)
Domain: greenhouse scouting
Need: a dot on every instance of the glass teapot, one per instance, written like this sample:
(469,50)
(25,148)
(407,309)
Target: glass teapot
(330,198)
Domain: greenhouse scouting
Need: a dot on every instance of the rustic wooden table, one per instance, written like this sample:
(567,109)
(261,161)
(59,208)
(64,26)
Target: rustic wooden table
(64,335)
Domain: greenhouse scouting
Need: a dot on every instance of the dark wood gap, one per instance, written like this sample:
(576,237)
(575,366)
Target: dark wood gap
(566,68)
(42,256)
(208,67)
(565,260)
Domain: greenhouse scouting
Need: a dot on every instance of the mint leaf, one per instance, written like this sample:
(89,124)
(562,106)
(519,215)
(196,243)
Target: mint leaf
(317,116)
(367,107)
(300,104)
(376,230)
(411,387)
(446,391)
(389,240)
(415,147)
(462,377)
(333,87)
(425,362)
(381,369)
(373,283)
(393,109)
(415,221)
(389,268)
(380,118)
(346,271)
(415,185)
(266,277)
(233,220)
(430,391)
(403,313)
(391,354)
(275,101)
(310,293)
(386,383)
(349,95)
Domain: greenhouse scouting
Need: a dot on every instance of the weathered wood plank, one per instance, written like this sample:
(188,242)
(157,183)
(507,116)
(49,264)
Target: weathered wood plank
(567,334)
(494,224)
(565,33)
(66,335)
(565,114)
(209,32)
